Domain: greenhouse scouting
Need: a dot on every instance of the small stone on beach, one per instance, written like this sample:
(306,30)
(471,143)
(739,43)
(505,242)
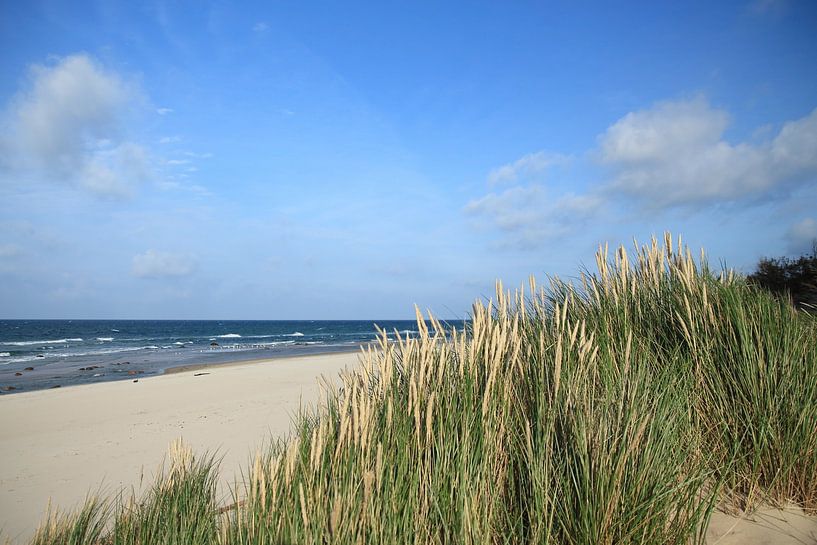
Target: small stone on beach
(55,386)
(200,374)
(18,374)
(28,369)
(9,388)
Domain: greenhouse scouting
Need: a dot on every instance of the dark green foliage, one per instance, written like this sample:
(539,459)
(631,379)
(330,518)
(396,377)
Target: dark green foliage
(792,278)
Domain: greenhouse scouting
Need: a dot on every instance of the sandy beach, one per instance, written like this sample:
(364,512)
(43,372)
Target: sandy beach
(64,443)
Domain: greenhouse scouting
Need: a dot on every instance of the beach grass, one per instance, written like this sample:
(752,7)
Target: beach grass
(621,408)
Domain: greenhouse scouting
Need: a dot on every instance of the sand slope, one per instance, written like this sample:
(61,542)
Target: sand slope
(63,443)
(766,526)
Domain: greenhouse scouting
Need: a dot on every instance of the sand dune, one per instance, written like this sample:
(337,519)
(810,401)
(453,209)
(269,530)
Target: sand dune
(61,444)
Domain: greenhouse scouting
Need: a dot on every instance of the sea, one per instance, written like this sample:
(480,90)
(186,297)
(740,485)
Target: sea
(40,354)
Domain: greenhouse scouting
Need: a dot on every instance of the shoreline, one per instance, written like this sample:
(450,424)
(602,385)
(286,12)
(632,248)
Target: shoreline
(189,367)
(109,436)
(225,358)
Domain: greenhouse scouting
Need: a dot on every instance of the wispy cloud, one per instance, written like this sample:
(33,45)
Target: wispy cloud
(156,264)
(164,111)
(66,125)
(197,155)
(802,236)
(527,216)
(531,165)
(769,7)
(260,27)
(169,139)
(10,250)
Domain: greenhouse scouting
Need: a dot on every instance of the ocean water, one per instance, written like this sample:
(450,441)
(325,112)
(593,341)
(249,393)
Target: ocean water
(39,354)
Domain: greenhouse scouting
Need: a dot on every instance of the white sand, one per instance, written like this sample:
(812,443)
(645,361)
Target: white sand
(63,443)
(766,526)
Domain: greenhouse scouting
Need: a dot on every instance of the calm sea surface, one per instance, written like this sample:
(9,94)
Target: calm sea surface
(38,354)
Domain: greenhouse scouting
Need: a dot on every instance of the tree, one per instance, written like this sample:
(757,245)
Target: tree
(792,278)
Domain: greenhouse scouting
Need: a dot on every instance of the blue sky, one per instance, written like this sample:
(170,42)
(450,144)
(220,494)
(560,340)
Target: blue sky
(295,160)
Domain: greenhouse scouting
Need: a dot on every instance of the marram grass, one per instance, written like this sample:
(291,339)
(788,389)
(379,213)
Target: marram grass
(622,410)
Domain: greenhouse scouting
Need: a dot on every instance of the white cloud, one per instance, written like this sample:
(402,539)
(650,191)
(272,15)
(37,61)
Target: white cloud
(169,139)
(67,126)
(530,165)
(164,111)
(802,236)
(155,264)
(260,27)
(670,155)
(674,154)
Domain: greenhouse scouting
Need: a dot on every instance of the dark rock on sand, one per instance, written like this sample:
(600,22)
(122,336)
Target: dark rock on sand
(18,374)
(9,388)
(28,369)
(55,386)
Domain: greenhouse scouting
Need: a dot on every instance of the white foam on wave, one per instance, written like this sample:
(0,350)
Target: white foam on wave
(109,351)
(116,330)
(5,354)
(38,357)
(296,334)
(104,339)
(32,343)
(230,336)
(274,343)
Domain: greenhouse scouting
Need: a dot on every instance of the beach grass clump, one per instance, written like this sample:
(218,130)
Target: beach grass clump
(621,409)
(80,527)
(180,508)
